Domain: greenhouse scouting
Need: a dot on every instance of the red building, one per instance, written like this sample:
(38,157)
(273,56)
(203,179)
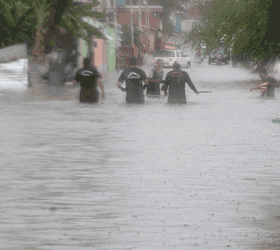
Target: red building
(148,19)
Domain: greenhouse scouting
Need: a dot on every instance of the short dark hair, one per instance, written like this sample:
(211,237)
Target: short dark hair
(132,61)
(261,70)
(86,61)
(159,60)
(176,65)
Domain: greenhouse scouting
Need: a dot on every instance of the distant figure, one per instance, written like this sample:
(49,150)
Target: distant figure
(195,54)
(197,57)
(268,83)
(174,85)
(155,77)
(133,78)
(262,71)
(89,79)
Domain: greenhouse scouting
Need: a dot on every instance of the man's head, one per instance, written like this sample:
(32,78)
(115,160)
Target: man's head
(133,61)
(176,65)
(263,76)
(86,61)
(262,72)
(159,63)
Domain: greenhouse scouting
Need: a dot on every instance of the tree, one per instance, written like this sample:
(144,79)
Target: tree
(47,25)
(248,27)
(41,23)
(17,23)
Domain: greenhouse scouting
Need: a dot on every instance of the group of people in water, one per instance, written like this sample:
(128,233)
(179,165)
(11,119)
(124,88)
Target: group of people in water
(136,81)
(173,84)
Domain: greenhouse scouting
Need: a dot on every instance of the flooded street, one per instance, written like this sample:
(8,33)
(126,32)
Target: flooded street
(142,177)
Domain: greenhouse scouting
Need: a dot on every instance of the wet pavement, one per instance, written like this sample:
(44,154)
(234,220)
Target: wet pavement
(143,177)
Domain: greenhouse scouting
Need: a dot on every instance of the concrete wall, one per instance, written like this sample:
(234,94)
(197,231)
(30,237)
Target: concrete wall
(13,53)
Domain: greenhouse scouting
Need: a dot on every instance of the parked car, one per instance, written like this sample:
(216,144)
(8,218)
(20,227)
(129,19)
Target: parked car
(171,56)
(218,56)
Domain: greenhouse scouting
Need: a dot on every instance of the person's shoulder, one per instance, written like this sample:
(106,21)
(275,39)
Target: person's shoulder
(184,72)
(272,79)
(93,68)
(125,71)
(139,70)
(169,72)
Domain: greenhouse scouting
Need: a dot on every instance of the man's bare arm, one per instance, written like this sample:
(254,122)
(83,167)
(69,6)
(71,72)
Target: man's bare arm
(119,84)
(121,87)
(100,83)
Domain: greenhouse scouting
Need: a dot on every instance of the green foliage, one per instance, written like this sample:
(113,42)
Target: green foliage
(248,27)
(17,22)
(20,19)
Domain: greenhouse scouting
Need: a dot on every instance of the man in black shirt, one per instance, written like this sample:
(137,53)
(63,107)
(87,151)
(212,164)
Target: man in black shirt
(267,85)
(89,79)
(133,78)
(175,84)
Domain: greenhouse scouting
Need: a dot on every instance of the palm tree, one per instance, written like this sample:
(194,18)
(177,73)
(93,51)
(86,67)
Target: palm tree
(17,22)
(46,25)
(41,22)
(65,23)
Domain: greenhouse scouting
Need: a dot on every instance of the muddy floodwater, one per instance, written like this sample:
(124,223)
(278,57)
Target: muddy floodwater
(143,177)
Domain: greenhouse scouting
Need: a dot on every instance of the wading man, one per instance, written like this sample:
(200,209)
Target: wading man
(89,79)
(267,85)
(155,77)
(133,78)
(174,85)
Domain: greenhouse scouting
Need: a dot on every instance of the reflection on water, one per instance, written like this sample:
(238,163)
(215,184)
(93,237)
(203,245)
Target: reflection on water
(153,176)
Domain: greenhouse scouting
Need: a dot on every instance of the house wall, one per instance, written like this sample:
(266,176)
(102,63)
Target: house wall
(101,56)
(150,17)
(124,13)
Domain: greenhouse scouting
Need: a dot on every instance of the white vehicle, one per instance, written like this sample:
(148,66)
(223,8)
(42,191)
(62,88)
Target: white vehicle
(171,56)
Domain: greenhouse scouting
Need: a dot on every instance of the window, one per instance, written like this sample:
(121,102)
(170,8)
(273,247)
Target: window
(162,53)
(111,16)
(172,54)
(155,14)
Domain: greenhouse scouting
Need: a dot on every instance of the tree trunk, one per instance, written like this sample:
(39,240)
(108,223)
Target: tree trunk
(38,49)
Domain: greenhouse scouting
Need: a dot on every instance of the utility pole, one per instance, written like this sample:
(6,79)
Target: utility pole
(116,25)
(131,26)
(147,23)
(140,15)
(116,33)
